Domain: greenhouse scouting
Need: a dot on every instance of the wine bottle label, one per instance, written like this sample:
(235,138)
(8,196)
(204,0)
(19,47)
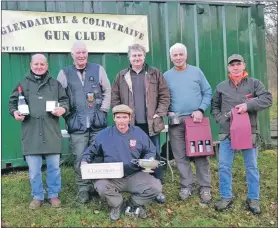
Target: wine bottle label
(192,147)
(23,109)
(208,148)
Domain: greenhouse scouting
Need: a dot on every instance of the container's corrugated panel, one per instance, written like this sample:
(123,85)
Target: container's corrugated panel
(211,33)
(259,56)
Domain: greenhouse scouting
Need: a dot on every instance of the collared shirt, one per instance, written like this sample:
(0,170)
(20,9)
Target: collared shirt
(81,74)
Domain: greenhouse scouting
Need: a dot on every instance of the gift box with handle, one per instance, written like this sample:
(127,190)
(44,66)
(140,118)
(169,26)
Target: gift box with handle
(198,138)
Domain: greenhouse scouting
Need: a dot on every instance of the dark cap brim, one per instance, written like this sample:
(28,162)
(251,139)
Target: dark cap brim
(238,60)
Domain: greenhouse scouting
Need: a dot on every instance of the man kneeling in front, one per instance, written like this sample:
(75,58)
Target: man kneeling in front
(123,142)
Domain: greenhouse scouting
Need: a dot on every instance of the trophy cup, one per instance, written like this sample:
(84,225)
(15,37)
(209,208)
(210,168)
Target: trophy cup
(173,118)
(148,164)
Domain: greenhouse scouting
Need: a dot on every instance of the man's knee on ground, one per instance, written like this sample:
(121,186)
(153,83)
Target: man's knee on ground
(155,187)
(102,188)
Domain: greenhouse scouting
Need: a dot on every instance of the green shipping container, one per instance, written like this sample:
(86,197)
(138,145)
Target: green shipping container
(211,31)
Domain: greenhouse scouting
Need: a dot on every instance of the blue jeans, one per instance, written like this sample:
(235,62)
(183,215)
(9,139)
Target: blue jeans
(226,158)
(53,175)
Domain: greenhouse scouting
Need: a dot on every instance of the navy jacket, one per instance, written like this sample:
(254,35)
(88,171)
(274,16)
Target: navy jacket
(113,146)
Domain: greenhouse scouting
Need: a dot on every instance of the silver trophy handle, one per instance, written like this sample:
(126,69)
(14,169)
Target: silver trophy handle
(135,161)
(161,163)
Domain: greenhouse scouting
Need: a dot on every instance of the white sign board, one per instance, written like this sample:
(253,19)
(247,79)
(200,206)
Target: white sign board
(30,31)
(102,170)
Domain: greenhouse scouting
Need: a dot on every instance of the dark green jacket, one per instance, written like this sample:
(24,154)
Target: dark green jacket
(227,96)
(40,130)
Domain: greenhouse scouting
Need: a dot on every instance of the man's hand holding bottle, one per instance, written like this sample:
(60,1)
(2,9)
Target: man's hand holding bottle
(18,115)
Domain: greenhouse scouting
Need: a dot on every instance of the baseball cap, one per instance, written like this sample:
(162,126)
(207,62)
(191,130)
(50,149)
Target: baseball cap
(235,57)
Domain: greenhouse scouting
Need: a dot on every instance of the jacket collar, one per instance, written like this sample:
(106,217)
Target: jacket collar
(31,76)
(147,68)
(242,79)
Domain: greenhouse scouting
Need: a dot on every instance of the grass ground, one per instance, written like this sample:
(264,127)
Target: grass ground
(175,213)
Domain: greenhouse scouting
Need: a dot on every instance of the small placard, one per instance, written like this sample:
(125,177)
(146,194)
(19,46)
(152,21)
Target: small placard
(102,170)
(51,105)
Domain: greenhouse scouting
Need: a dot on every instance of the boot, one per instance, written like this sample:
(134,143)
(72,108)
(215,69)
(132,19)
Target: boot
(55,202)
(223,204)
(253,206)
(35,204)
(116,212)
(205,196)
(160,198)
(83,197)
(185,193)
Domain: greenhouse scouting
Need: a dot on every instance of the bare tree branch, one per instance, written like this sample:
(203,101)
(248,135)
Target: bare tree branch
(271,15)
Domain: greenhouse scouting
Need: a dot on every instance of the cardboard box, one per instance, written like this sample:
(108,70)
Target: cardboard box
(102,170)
(240,131)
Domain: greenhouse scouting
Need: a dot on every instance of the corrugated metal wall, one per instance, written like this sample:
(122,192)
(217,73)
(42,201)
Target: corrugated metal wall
(211,32)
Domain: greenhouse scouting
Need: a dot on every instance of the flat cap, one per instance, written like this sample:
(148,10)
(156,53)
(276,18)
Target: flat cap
(122,109)
(235,57)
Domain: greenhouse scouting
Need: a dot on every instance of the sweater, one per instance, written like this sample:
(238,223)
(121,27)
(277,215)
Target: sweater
(189,90)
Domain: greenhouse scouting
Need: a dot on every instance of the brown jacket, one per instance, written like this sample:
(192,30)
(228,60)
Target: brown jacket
(157,96)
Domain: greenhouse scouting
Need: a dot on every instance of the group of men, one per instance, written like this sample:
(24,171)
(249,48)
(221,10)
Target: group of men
(140,97)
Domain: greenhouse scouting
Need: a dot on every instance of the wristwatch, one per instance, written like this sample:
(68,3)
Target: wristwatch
(228,114)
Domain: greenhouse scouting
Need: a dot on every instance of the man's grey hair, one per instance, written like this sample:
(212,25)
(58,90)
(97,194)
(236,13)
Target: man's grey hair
(136,47)
(178,46)
(38,56)
(78,44)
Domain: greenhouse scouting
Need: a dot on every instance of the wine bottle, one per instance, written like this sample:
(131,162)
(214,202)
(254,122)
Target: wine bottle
(200,146)
(192,147)
(22,107)
(208,146)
